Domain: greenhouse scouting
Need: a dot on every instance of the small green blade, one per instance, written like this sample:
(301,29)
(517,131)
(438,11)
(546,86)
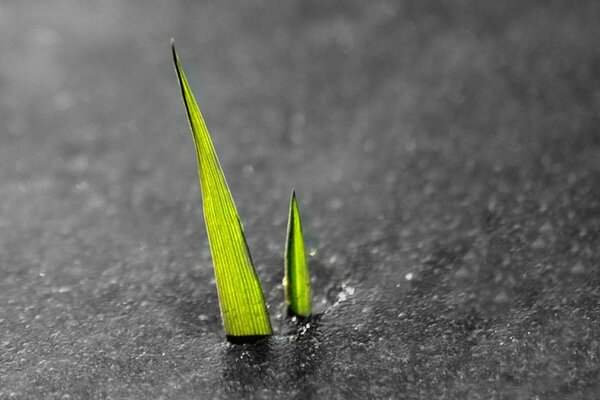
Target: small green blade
(296,281)
(241,299)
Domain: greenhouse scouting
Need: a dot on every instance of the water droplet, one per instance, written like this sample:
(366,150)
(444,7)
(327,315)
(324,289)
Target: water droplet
(346,292)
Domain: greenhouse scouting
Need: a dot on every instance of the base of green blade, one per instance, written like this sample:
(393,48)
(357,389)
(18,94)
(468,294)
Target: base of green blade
(246,339)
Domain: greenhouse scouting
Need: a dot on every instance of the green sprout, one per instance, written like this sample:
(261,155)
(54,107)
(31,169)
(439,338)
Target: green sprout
(296,281)
(243,308)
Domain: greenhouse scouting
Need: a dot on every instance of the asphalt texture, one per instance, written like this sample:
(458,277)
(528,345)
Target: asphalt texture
(446,157)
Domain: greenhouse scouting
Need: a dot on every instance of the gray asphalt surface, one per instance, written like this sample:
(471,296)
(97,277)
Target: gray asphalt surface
(447,162)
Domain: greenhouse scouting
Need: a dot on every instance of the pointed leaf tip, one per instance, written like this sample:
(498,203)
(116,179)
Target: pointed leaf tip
(296,281)
(174,52)
(241,299)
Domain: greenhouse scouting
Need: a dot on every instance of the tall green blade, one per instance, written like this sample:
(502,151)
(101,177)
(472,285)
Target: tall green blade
(241,299)
(296,281)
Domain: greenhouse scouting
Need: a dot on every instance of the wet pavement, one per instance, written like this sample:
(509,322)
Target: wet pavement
(447,163)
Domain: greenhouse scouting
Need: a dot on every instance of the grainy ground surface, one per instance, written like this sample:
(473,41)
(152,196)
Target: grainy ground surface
(446,156)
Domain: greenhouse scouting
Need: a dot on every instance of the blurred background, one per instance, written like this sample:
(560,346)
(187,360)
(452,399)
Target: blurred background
(446,157)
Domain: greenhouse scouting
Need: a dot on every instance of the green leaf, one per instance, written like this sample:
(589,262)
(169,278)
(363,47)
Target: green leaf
(241,299)
(296,281)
